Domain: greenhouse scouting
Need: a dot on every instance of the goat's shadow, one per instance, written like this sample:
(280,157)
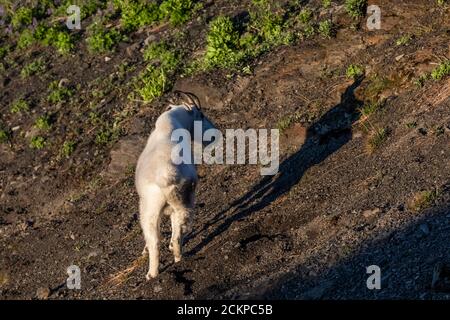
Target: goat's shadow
(324,137)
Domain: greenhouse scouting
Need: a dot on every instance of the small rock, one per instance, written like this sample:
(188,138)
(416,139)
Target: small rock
(43,293)
(63,83)
(370,213)
(15,128)
(107,59)
(424,228)
(131,49)
(398,58)
(149,39)
(157,288)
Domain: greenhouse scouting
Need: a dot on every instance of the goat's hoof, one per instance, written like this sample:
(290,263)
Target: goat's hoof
(151,275)
(177,259)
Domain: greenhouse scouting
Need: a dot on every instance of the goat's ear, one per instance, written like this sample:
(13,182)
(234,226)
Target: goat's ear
(189,98)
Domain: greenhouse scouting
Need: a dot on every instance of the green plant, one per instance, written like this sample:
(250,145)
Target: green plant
(102,40)
(355,8)
(4,136)
(55,37)
(26,39)
(37,142)
(270,29)
(354,71)
(35,67)
(370,108)
(4,50)
(152,83)
(376,139)
(326,28)
(326,3)
(222,43)
(308,31)
(155,78)
(58,93)
(441,2)
(107,135)
(441,71)
(423,200)
(403,40)
(176,11)
(43,123)
(160,51)
(137,13)
(420,81)
(22,17)
(305,16)
(67,148)
(19,106)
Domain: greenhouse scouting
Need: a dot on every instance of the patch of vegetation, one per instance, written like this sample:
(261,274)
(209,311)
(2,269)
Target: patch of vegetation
(55,37)
(222,44)
(377,85)
(154,80)
(137,13)
(354,71)
(176,11)
(4,50)
(441,2)
(43,123)
(4,136)
(356,8)
(227,48)
(420,81)
(37,142)
(403,40)
(67,148)
(58,93)
(423,200)
(305,16)
(326,29)
(162,53)
(376,139)
(26,39)
(22,17)
(370,108)
(19,106)
(326,3)
(441,71)
(35,67)
(411,125)
(287,121)
(107,135)
(101,39)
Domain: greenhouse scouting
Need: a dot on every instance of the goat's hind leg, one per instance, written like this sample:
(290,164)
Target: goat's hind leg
(181,201)
(150,215)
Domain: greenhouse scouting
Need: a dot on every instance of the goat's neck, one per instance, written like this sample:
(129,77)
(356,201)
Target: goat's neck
(176,118)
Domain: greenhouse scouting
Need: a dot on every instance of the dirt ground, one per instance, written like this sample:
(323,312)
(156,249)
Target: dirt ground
(309,232)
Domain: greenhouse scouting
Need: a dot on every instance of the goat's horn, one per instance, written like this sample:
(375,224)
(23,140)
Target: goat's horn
(192,98)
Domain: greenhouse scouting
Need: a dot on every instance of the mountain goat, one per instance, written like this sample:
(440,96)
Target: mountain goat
(160,183)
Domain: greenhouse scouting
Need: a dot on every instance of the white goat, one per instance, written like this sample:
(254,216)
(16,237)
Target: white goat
(160,183)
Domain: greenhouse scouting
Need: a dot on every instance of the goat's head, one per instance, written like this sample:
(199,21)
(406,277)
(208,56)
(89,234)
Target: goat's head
(192,105)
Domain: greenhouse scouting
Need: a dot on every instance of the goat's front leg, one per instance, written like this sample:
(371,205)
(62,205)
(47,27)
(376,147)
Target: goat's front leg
(150,221)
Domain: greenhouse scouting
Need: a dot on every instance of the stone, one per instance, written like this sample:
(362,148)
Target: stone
(43,293)
(424,228)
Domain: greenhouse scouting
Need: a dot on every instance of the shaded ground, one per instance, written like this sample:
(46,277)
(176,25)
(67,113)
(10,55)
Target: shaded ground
(307,233)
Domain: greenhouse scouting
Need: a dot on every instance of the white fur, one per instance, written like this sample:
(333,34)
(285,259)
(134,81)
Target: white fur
(160,183)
